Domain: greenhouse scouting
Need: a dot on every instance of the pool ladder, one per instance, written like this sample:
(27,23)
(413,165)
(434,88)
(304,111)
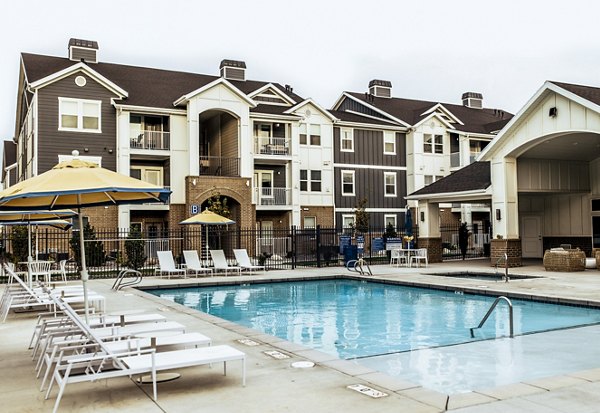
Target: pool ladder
(510,316)
(118,284)
(357,266)
(505,256)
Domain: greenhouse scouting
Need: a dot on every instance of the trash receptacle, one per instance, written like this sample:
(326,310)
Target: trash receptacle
(350,253)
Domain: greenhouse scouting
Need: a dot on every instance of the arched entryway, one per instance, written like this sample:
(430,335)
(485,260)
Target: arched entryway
(218,143)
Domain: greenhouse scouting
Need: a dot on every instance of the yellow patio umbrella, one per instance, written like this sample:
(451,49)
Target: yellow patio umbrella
(207,218)
(76,184)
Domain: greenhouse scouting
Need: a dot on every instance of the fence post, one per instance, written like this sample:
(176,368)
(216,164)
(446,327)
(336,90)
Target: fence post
(294,242)
(318,245)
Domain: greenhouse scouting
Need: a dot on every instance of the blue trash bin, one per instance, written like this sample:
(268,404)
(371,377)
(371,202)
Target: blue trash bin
(350,253)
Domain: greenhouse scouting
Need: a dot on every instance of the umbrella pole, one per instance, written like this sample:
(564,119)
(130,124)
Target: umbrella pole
(29,257)
(84,273)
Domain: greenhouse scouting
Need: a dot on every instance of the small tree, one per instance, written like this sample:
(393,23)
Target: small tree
(390,231)
(218,204)
(463,239)
(19,239)
(94,250)
(135,248)
(361,217)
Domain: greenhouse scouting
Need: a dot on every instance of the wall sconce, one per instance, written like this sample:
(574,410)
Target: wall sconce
(194,181)
(86,150)
(247,183)
(498,216)
(553,112)
(110,151)
(422,216)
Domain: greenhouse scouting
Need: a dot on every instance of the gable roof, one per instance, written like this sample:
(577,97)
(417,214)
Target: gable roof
(473,177)
(352,117)
(587,92)
(413,111)
(145,86)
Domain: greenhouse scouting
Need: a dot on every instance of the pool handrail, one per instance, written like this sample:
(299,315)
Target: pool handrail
(487,315)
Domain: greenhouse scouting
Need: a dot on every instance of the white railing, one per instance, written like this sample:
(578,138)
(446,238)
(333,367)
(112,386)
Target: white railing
(149,139)
(454,159)
(272,196)
(277,248)
(271,146)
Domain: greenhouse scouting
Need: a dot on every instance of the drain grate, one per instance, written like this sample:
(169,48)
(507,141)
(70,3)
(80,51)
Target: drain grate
(276,354)
(303,364)
(248,342)
(367,391)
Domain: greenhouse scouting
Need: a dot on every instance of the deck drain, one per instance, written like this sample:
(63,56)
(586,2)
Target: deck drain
(303,364)
(367,391)
(276,354)
(248,342)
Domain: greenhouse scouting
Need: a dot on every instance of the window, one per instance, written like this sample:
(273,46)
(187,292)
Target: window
(348,183)
(389,219)
(310,222)
(312,185)
(75,227)
(429,179)
(303,134)
(315,135)
(389,143)
(346,140)
(347,221)
(433,143)
(390,183)
(149,174)
(79,115)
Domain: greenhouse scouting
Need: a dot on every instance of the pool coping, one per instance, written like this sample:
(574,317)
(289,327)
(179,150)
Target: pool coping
(382,381)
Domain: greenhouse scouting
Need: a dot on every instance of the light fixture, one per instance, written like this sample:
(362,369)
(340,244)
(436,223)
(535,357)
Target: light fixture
(422,216)
(553,112)
(498,216)
(86,150)
(194,181)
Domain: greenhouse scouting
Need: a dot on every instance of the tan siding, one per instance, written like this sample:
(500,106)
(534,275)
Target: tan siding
(229,137)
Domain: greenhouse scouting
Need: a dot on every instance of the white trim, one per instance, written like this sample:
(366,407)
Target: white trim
(383,167)
(443,109)
(438,117)
(353,183)
(370,116)
(345,216)
(79,103)
(390,210)
(385,175)
(362,102)
(93,159)
(351,139)
(386,216)
(488,136)
(54,77)
(149,110)
(315,104)
(393,141)
(279,93)
(216,82)
(372,126)
(455,196)
(259,115)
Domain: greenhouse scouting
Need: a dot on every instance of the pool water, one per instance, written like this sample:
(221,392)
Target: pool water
(356,319)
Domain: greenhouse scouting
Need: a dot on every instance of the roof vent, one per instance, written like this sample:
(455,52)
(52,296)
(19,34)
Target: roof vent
(472,100)
(233,69)
(380,88)
(83,50)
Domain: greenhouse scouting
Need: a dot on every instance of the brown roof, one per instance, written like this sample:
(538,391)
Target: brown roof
(411,111)
(145,86)
(587,92)
(470,178)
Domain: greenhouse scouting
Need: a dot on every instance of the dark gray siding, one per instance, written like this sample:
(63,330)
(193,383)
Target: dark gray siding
(53,142)
(376,220)
(351,104)
(368,183)
(368,149)
(279,179)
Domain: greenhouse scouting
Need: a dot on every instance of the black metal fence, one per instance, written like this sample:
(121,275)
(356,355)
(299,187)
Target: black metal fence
(478,242)
(107,249)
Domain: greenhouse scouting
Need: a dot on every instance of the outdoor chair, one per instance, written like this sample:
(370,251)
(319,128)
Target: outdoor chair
(192,263)
(243,260)
(61,272)
(167,265)
(220,262)
(420,255)
(39,269)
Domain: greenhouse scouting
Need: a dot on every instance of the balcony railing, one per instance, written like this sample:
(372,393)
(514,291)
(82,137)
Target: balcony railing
(455,159)
(217,166)
(273,196)
(149,139)
(271,146)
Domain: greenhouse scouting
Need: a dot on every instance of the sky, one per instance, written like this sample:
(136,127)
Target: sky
(430,50)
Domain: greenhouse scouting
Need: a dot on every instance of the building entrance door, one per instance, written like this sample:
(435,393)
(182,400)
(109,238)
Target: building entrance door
(531,237)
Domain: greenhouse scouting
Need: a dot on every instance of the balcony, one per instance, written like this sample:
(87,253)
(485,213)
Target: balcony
(218,166)
(151,140)
(455,160)
(152,206)
(272,146)
(272,197)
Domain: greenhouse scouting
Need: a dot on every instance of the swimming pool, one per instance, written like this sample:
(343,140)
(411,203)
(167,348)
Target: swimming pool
(384,326)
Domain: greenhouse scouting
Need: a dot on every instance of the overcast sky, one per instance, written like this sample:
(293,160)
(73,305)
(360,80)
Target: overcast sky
(430,50)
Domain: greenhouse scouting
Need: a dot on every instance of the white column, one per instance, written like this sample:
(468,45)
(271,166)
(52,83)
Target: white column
(505,208)
(430,228)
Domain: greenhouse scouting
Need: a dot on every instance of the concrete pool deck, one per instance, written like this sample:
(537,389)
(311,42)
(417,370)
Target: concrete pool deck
(274,386)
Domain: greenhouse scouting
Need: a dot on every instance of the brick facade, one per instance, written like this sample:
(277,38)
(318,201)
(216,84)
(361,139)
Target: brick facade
(101,217)
(177,213)
(324,215)
(434,248)
(237,190)
(512,247)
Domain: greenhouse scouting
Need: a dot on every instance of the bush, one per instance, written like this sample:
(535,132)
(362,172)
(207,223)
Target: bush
(135,249)
(94,250)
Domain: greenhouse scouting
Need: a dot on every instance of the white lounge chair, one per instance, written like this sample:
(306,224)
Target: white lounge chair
(243,260)
(167,265)
(192,263)
(220,262)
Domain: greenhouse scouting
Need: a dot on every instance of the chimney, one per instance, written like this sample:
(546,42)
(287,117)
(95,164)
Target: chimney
(380,88)
(83,50)
(233,69)
(472,100)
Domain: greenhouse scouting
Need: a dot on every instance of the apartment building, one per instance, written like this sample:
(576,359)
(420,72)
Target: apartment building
(257,143)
